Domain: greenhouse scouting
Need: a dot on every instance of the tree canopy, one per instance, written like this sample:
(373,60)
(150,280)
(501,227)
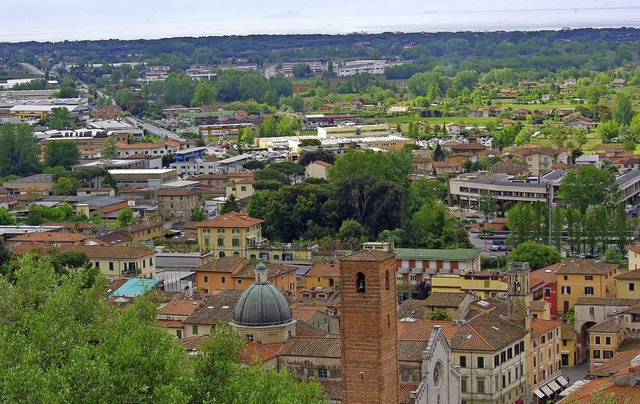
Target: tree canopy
(18,150)
(537,255)
(63,153)
(590,186)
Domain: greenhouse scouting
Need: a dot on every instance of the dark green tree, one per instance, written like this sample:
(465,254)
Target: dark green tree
(537,255)
(230,205)
(18,150)
(60,118)
(590,186)
(63,153)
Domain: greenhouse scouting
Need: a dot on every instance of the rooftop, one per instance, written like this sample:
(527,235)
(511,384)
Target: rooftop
(444,299)
(457,254)
(230,220)
(135,287)
(574,266)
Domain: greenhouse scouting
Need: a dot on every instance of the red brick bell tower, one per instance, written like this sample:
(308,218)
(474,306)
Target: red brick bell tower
(368,326)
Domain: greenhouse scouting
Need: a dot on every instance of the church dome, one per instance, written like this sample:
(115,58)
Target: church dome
(262,304)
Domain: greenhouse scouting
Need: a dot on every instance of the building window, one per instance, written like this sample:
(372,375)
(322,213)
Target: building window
(463,361)
(206,291)
(223,279)
(249,337)
(239,281)
(386,280)
(588,290)
(632,286)
(220,231)
(596,354)
(607,340)
(597,339)
(480,362)
(547,292)
(542,339)
(323,373)
(194,330)
(97,265)
(481,386)
(110,266)
(566,290)
(413,277)
(565,277)
(206,279)
(360,283)
(463,384)
(534,360)
(235,242)
(592,311)
(206,242)
(496,361)
(608,354)
(588,277)
(221,242)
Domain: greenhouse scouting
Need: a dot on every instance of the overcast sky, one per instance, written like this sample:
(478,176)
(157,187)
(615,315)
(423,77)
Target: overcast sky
(57,20)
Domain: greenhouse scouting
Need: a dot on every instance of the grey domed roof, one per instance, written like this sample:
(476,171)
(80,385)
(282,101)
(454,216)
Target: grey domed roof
(262,304)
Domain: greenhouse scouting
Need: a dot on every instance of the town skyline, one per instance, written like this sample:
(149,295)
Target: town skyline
(71,20)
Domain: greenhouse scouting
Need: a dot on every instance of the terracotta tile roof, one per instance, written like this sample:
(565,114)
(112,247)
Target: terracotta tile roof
(231,219)
(607,391)
(72,225)
(567,331)
(304,329)
(496,306)
(170,324)
(193,342)
(115,237)
(411,351)
(629,275)
(140,227)
(635,309)
(469,146)
(273,270)
(540,327)
(412,309)
(488,332)
(50,237)
(629,344)
(315,347)
(110,251)
(444,299)
(175,192)
(303,313)
(542,276)
(252,353)
(609,367)
(574,266)
(224,264)
(420,330)
(539,305)
(332,389)
(609,325)
(113,207)
(605,301)
(367,256)
(180,307)
(324,270)
(216,308)
(540,150)
(445,164)
(322,163)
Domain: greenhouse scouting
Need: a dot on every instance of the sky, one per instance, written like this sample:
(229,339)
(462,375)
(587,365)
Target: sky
(59,20)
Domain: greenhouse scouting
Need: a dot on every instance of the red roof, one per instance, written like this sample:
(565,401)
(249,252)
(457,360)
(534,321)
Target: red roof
(231,219)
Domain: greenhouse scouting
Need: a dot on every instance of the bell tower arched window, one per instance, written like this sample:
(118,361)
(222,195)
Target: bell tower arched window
(360,284)
(386,280)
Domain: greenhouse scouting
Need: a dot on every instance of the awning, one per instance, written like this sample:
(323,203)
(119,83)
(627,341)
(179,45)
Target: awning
(538,393)
(554,386)
(563,382)
(547,391)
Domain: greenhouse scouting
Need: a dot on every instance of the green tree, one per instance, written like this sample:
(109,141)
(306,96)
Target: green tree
(488,204)
(198,214)
(268,127)
(60,118)
(439,154)
(230,205)
(439,315)
(108,150)
(393,166)
(245,135)
(608,130)
(622,111)
(66,186)
(325,155)
(6,219)
(125,217)
(204,94)
(63,153)
(432,226)
(590,186)
(18,150)
(352,234)
(537,255)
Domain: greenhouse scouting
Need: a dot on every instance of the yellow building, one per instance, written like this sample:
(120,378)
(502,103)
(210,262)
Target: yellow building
(628,284)
(215,275)
(578,278)
(323,276)
(240,187)
(604,339)
(545,352)
(353,130)
(481,284)
(143,232)
(231,234)
(633,256)
(119,261)
(568,347)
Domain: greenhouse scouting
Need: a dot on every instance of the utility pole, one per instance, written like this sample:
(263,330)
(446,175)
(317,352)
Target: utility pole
(550,196)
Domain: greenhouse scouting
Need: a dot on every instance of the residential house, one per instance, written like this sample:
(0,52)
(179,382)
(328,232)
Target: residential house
(455,129)
(578,278)
(172,313)
(177,203)
(509,168)
(282,276)
(454,304)
(323,275)
(540,159)
(52,239)
(633,256)
(604,339)
(231,234)
(544,287)
(621,386)
(143,232)
(568,350)
(628,282)
(481,284)
(215,275)
(210,312)
(119,261)
(165,147)
(545,354)
(317,169)
(242,188)
(446,167)
(417,265)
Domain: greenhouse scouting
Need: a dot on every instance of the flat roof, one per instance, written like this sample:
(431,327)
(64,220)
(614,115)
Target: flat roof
(142,171)
(437,254)
(190,150)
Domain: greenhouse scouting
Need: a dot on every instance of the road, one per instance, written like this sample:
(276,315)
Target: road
(155,130)
(32,69)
